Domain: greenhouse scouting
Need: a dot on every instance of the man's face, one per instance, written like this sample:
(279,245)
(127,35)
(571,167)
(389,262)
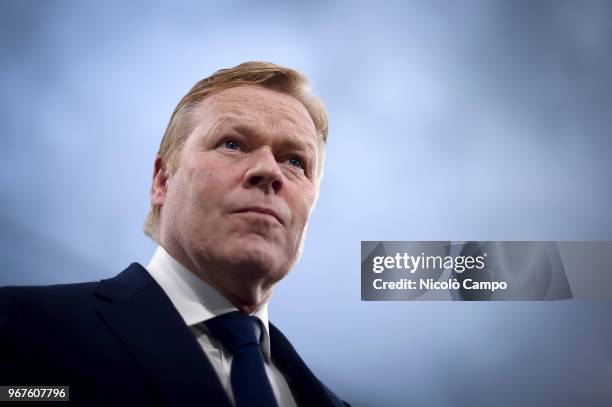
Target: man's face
(246,182)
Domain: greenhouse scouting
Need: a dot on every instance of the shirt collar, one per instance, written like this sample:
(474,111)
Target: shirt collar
(195,300)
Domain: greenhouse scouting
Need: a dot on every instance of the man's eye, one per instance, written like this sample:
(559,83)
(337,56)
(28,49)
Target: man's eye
(296,162)
(231,144)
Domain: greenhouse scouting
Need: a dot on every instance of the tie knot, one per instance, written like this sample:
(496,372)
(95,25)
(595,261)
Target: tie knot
(235,330)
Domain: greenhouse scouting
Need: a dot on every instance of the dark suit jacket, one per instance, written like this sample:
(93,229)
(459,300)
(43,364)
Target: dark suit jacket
(121,341)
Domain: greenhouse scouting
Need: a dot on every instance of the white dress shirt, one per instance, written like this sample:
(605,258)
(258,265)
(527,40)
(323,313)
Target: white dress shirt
(196,302)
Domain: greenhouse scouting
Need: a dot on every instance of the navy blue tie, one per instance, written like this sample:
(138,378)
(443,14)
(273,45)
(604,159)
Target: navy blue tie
(241,334)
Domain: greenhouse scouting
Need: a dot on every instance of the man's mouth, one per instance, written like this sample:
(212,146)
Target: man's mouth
(262,210)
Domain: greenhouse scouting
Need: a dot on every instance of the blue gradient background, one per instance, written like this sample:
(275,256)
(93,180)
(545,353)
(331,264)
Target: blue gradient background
(474,120)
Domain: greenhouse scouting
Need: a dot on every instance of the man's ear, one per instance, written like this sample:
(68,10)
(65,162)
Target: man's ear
(159,187)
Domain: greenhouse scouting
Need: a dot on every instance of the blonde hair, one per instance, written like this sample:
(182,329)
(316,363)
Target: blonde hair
(265,74)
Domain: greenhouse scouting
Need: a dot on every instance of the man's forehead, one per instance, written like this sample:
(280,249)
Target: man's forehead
(250,102)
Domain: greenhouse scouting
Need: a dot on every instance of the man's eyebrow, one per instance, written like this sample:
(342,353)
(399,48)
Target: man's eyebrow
(243,129)
(293,141)
(299,144)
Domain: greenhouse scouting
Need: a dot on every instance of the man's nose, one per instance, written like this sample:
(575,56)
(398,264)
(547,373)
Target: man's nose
(264,172)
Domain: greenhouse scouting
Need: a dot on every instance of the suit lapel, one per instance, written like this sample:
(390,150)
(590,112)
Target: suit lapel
(144,319)
(307,389)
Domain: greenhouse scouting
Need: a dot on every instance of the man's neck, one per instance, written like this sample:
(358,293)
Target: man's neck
(248,295)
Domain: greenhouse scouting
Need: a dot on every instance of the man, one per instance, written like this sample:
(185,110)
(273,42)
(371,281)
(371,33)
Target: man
(234,183)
